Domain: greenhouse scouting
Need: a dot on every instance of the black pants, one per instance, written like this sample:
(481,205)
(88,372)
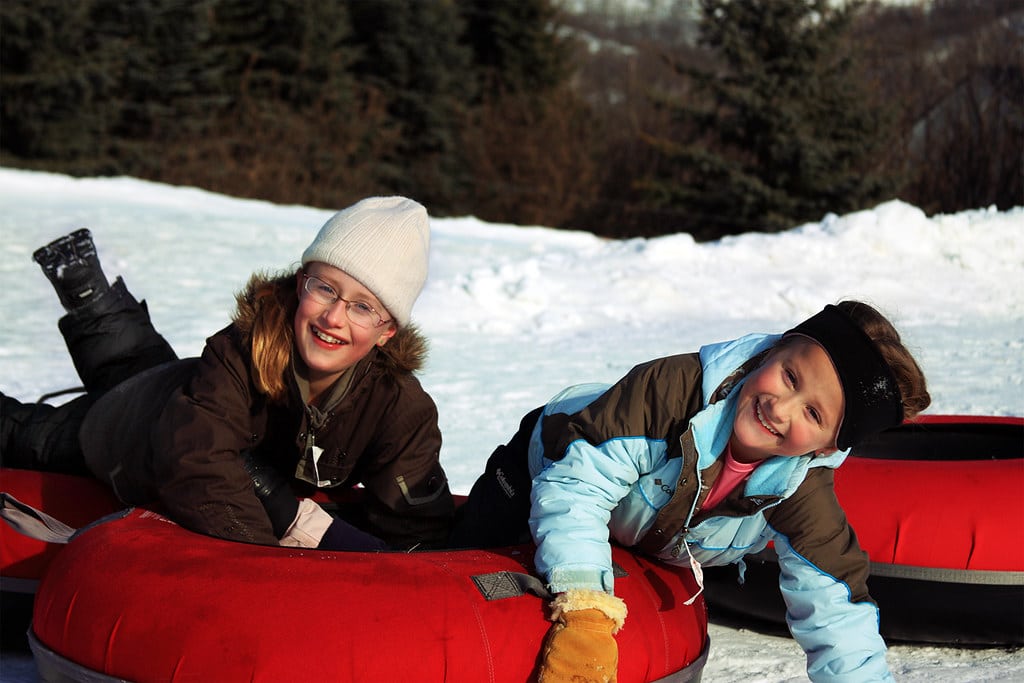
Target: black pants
(497,511)
(110,340)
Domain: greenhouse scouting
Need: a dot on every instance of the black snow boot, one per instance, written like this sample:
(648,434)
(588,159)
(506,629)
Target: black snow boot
(72,266)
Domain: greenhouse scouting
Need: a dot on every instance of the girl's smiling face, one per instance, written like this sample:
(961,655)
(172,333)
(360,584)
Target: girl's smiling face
(325,337)
(792,404)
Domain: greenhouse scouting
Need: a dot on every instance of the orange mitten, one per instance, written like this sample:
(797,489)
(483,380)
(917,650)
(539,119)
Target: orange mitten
(580,646)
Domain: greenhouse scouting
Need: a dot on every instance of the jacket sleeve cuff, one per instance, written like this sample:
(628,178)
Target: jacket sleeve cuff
(584,577)
(572,600)
(309,527)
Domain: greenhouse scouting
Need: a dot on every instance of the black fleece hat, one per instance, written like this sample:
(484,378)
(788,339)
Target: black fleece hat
(871,394)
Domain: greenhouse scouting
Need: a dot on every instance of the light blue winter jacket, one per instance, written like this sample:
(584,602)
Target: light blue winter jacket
(619,485)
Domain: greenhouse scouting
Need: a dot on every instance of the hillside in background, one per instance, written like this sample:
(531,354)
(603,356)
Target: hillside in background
(621,117)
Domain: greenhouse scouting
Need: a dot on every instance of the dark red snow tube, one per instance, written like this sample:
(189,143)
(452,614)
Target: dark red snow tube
(938,504)
(142,599)
(76,501)
(137,597)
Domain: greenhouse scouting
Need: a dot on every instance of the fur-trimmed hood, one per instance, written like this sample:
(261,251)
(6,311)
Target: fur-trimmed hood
(406,351)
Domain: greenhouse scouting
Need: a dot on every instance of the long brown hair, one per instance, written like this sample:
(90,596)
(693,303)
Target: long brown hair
(264,312)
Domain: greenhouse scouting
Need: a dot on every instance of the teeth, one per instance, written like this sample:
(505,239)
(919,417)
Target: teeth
(326,337)
(767,426)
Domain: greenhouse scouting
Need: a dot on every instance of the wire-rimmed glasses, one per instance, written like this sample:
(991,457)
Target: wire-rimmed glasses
(359,313)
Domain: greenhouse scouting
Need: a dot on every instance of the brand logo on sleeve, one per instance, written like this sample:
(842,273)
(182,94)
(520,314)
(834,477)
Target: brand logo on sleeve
(509,490)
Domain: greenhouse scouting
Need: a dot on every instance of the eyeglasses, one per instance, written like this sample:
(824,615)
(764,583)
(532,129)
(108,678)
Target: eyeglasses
(359,313)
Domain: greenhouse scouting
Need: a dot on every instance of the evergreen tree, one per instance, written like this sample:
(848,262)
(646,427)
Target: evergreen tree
(787,131)
(515,45)
(59,80)
(523,66)
(411,53)
(103,86)
(92,83)
(291,51)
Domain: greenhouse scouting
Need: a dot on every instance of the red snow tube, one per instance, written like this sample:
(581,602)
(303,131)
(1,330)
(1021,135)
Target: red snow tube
(137,597)
(76,501)
(938,505)
(142,599)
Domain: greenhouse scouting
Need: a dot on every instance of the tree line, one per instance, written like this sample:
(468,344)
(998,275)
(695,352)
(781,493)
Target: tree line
(744,115)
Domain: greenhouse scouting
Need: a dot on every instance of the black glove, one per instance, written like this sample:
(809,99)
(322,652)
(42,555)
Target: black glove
(341,535)
(274,491)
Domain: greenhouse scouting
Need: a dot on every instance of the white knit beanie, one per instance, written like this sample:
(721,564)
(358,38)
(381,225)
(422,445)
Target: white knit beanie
(383,243)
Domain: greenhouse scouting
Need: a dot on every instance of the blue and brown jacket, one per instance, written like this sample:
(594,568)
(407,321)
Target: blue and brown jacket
(634,461)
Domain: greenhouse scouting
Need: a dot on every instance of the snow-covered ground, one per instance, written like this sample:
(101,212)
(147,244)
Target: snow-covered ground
(516,313)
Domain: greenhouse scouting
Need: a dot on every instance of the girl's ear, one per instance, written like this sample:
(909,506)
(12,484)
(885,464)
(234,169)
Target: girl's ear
(387,334)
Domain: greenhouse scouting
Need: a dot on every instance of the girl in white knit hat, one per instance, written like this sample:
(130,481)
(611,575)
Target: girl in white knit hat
(310,387)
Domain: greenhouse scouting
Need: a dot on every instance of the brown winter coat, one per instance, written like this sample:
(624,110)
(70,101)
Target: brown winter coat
(176,434)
